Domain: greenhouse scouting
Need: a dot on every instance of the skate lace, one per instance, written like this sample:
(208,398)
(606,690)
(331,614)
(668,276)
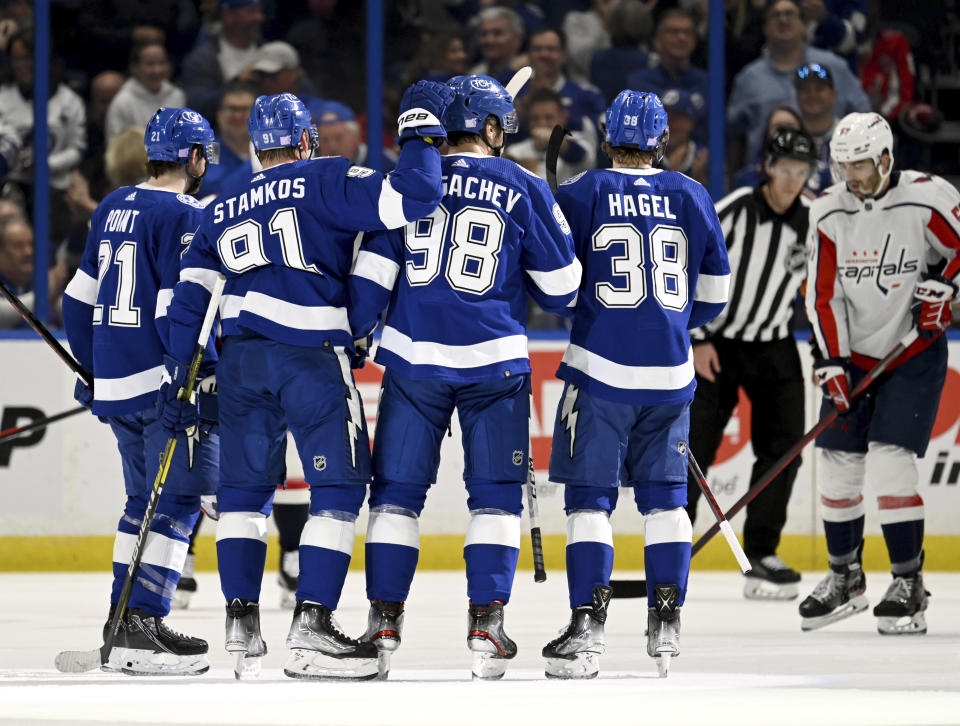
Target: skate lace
(901,589)
(827,587)
(335,627)
(165,629)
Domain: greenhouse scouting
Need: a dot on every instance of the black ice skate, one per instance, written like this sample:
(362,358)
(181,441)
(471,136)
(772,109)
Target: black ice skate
(838,595)
(663,627)
(320,650)
(900,612)
(287,578)
(146,646)
(243,639)
(384,625)
(576,653)
(186,587)
(491,646)
(770,578)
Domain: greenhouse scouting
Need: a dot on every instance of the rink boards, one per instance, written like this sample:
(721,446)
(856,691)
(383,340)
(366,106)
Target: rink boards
(61,490)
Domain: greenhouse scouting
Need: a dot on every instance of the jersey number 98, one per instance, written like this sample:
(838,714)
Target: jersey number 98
(668,251)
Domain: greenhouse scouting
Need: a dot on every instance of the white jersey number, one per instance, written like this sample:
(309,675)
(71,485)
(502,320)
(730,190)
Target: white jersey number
(668,251)
(123,312)
(241,246)
(476,237)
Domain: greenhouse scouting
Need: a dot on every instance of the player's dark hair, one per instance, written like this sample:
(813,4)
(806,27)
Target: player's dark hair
(278,156)
(455,138)
(159,168)
(632,158)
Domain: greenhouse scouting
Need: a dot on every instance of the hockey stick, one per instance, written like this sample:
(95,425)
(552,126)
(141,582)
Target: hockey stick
(42,331)
(539,572)
(78,661)
(553,154)
(42,423)
(638,588)
(518,81)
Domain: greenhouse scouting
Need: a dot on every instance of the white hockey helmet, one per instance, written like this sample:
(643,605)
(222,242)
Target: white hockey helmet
(861,136)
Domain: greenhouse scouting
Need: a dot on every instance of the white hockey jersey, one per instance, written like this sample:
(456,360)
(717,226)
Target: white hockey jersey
(865,257)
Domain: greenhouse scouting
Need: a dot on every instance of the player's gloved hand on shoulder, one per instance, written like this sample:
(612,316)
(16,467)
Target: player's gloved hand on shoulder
(421,109)
(83,394)
(832,374)
(931,305)
(176,416)
(361,349)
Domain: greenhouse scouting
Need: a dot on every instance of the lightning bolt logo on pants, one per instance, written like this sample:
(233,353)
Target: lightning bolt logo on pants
(353,406)
(569,414)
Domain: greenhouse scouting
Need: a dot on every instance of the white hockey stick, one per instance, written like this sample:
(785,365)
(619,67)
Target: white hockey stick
(79,661)
(519,80)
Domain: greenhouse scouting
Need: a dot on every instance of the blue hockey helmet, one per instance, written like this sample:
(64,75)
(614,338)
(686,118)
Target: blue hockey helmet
(477,97)
(173,132)
(637,120)
(279,121)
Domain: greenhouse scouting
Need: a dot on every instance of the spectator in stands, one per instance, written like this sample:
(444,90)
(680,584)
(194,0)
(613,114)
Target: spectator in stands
(683,153)
(103,88)
(782,117)
(674,43)
(586,33)
(10,209)
(338,133)
(222,58)
(816,98)
(235,106)
(743,35)
(544,109)
(147,89)
(630,24)
(16,270)
(836,25)
(276,69)
(439,58)
(767,82)
(500,35)
(126,158)
(888,74)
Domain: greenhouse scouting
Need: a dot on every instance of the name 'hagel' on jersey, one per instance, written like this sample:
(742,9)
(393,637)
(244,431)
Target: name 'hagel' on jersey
(459,310)
(654,266)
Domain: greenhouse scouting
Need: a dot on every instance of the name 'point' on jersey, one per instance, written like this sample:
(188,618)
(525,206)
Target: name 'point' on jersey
(648,239)
(458,312)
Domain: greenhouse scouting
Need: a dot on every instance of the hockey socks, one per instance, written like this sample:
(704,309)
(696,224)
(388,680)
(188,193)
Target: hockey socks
(589,554)
(491,551)
(666,552)
(241,554)
(290,520)
(164,551)
(326,545)
(843,537)
(392,551)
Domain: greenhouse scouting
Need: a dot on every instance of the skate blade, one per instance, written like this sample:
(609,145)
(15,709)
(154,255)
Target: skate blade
(584,665)
(915,624)
(246,667)
(488,667)
(756,588)
(851,607)
(150,663)
(78,661)
(383,665)
(312,664)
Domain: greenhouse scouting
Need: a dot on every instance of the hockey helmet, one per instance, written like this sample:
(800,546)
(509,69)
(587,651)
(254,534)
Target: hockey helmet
(861,136)
(637,120)
(279,121)
(791,144)
(477,97)
(173,132)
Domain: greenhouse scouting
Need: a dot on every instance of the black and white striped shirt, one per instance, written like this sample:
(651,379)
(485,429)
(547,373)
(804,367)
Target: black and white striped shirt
(767,265)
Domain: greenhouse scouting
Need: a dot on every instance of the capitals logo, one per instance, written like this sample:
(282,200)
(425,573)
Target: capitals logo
(881,268)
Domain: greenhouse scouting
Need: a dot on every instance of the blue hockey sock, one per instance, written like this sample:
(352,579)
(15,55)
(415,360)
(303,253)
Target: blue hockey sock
(392,551)
(589,554)
(491,551)
(241,554)
(325,549)
(905,545)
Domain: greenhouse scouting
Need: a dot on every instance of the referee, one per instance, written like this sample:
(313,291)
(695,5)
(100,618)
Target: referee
(751,345)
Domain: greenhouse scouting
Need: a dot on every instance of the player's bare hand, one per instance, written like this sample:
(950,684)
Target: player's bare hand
(706,361)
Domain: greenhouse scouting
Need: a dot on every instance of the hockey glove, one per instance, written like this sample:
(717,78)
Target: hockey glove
(208,505)
(361,349)
(207,408)
(421,109)
(175,416)
(931,305)
(834,379)
(84,394)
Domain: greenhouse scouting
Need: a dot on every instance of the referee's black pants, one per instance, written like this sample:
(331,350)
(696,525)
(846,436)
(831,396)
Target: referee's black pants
(770,374)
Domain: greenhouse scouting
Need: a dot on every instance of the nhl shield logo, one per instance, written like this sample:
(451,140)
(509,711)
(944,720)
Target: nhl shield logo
(517,458)
(319,463)
(682,448)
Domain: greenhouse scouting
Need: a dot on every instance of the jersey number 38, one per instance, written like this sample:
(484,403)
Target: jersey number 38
(668,253)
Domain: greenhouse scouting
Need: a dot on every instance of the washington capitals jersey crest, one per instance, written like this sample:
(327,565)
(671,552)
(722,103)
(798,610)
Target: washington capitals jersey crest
(654,266)
(457,279)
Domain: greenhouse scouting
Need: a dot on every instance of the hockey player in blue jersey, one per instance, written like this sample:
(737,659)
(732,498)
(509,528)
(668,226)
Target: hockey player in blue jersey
(454,336)
(654,266)
(114,311)
(284,239)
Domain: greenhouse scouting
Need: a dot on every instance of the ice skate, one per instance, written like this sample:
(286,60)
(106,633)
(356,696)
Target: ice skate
(287,578)
(243,639)
(148,647)
(576,653)
(838,595)
(384,625)
(770,578)
(319,649)
(186,587)
(663,627)
(115,659)
(900,612)
(491,646)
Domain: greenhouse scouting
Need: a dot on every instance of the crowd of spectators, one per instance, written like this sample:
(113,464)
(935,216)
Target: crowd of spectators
(795,63)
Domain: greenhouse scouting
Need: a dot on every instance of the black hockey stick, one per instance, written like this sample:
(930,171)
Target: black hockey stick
(638,588)
(553,153)
(78,661)
(42,331)
(536,540)
(42,423)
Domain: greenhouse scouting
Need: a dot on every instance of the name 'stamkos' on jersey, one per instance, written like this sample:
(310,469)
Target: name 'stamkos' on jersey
(866,257)
(284,238)
(456,281)
(115,306)
(654,265)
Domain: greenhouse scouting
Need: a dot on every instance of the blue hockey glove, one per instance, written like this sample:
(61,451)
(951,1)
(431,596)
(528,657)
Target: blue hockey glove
(421,109)
(207,408)
(361,349)
(83,393)
(175,416)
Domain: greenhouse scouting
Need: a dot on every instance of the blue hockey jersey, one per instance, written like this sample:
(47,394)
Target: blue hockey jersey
(284,238)
(457,280)
(654,265)
(114,308)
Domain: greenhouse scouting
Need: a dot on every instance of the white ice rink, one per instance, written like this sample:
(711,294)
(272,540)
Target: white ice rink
(741,663)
